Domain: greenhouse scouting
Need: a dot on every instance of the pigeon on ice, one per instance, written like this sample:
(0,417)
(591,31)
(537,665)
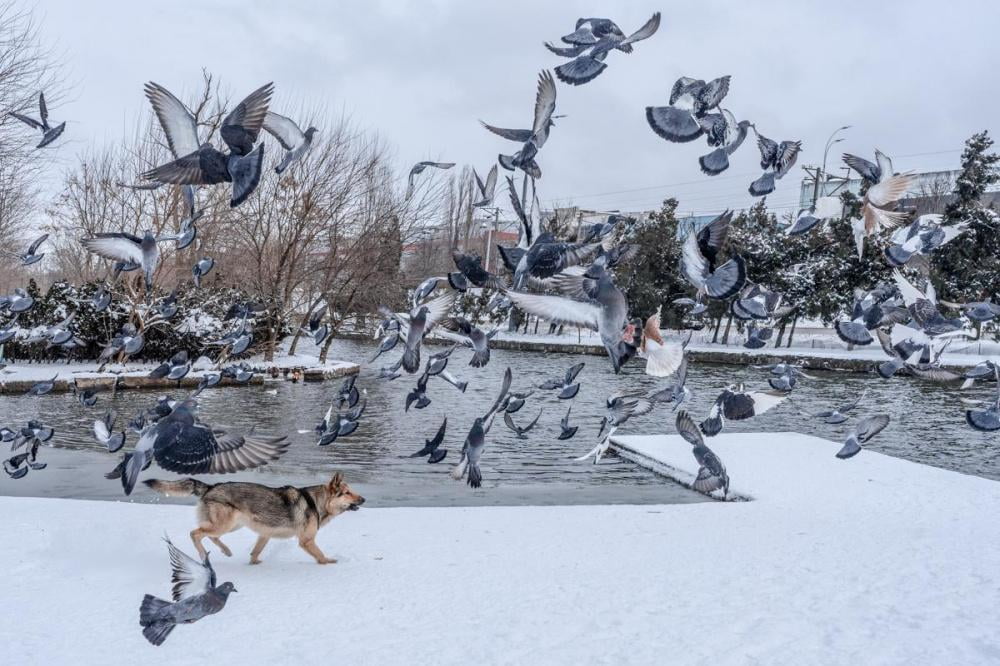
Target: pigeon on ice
(866,428)
(49,133)
(712,474)
(195,595)
(203,164)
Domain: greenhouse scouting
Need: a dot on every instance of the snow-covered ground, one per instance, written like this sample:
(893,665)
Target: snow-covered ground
(874,560)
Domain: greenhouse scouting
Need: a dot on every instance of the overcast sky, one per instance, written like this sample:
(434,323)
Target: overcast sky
(913,78)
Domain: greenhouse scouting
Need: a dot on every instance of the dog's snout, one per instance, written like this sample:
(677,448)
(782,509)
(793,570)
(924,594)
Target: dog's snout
(361,500)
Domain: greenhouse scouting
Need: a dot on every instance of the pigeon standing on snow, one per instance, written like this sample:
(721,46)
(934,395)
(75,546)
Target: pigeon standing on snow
(195,595)
(295,142)
(863,430)
(49,133)
(203,164)
(711,472)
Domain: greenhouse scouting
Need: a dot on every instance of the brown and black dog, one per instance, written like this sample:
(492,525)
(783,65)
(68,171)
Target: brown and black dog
(273,513)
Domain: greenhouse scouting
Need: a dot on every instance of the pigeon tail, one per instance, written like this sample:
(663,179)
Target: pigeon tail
(245,172)
(580,70)
(458,281)
(480,358)
(475,476)
(853,333)
(851,448)
(136,461)
(157,632)
(763,185)
(673,124)
(714,163)
(459,470)
(897,256)
(411,360)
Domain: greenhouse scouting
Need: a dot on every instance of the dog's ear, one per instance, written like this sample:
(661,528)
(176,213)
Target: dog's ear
(336,482)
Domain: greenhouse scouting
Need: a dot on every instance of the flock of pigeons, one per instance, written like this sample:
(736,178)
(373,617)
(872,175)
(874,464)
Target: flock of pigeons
(566,281)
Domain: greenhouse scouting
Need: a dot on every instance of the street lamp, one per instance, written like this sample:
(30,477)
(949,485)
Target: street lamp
(830,142)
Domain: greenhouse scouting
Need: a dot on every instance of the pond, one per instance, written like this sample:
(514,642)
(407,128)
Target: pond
(927,426)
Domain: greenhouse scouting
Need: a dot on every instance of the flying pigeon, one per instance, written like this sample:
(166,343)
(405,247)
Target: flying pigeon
(877,206)
(417,324)
(986,420)
(736,404)
(125,247)
(690,102)
(533,139)
(19,301)
(195,595)
(698,257)
(180,443)
(662,358)
(203,164)
(470,266)
(101,299)
(475,441)
(776,159)
(863,430)
(295,142)
(43,387)
(187,229)
(920,239)
(104,432)
(461,330)
(519,430)
(677,392)
(432,448)
(566,430)
(590,45)
(201,269)
(418,168)
(49,133)
(825,208)
(870,173)
(487,190)
(838,414)
(726,135)
(31,255)
(712,474)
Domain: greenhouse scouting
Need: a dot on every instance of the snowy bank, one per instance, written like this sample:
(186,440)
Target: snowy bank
(871,560)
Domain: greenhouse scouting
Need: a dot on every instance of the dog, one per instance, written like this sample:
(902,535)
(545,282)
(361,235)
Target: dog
(273,513)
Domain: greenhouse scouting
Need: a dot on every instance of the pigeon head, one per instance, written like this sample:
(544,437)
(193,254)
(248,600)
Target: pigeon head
(226,588)
(310,132)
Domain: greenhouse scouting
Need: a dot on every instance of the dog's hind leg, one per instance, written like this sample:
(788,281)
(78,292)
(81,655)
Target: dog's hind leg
(309,545)
(257,548)
(223,547)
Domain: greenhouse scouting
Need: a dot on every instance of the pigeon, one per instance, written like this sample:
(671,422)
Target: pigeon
(475,441)
(870,173)
(431,446)
(621,407)
(978,312)
(920,239)
(125,247)
(7,334)
(545,258)
(533,139)
(786,380)
(487,190)
(19,301)
(727,135)
(31,255)
(101,299)
(902,353)
(43,387)
(315,327)
(590,45)
(861,432)
(128,341)
(757,336)
(295,142)
(825,208)
(104,432)
(86,397)
(417,324)
(470,266)
(876,208)
(518,430)
(187,230)
(203,164)
(388,343)
(345,423)
(180,443)
(592,301)
(838,414)
(698,257)
(461,330)
(418,395)
(662,358)
(418,168)
(697,307)
(567,388)
(677,392)
(17,466)
(208,380)
(566,430)
(690,101)
(347,394)
(712,474)
(49,133)
(57,334)
(870,311)
(736,404)
(776,159)
(195,595)
(201,269)
(175,369)
(923,307)
(988,419)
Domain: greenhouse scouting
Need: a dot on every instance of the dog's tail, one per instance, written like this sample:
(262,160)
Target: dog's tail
(179,488)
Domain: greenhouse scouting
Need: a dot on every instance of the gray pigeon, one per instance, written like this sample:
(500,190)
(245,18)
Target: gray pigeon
(698,261)
(295,142)
(417,324)
(31,256)
(590,44)
(475,441)
(777,159)
(49,133)
(711,472)
(863,430)
(195,595)
(567,388)
(461,330)
(125,247)
(726,135)
(487,190)
(104,432)
(201,269)
(101,299)
(520,431)
(533,139)
(690,102)
(203,164)
(43,387)
(418,169)
(432,448)
(19,301)
(566,430)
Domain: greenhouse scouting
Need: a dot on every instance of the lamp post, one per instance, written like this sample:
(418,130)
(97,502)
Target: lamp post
(826,151)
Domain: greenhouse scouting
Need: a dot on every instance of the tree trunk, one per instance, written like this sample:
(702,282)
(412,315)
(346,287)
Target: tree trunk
(325,349)
(781,333)
(791,333)
(272,343)
(725,336)
(715,335)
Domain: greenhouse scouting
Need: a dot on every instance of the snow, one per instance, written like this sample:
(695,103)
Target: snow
(870,560)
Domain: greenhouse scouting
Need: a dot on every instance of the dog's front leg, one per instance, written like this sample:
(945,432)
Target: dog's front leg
(257,548)
(309,545)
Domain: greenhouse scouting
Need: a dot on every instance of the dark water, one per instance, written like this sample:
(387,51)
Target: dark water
(927,426)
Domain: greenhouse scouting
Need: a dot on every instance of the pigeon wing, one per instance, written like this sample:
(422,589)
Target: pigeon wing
(557,309)
(545,106)
(31,122)
(250,113)
(190,577)
(185,170)
(863,167)
(688,429)
(115,246)
(870,426)
(284,130)
(645,32)
(519,135)
(889,190)
(177,122)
